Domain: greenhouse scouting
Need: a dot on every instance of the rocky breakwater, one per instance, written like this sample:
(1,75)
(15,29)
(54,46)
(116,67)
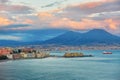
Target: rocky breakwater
(75,54)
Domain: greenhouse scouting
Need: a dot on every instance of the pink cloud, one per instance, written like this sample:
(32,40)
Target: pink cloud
(74,16)
(19,9)
(45,15)
(86,24)
(113,24)
(93,4)
(90,5)
(28,21)
(5,21)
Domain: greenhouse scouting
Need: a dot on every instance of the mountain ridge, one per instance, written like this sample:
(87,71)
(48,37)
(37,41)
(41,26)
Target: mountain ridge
(95,36)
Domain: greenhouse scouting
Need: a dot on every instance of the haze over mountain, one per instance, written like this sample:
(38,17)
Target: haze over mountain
(95,36)
(30,35)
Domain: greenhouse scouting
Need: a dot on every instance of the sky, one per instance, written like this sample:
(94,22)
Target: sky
(25,15)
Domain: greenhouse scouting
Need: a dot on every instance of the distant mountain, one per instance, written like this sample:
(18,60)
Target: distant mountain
(92,37)
(65,37)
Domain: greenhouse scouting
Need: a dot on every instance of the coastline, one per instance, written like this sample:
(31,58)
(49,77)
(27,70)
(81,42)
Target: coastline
(51,56)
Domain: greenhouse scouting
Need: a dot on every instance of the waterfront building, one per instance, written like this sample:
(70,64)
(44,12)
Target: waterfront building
(23,55)
(5,51)
(42,54)
(31,55)
(16,56)
(27,50)
(9,56)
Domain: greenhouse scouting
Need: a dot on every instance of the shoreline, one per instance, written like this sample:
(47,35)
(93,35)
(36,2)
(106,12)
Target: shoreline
(52,56)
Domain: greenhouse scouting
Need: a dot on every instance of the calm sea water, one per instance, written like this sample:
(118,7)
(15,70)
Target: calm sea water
(99,67)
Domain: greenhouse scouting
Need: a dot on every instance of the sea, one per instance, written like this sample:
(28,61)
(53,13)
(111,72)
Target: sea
(99,67)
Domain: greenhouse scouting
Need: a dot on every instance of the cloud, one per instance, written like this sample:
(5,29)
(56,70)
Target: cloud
(9,37)
(85,9)
(16,27)
(77,17)
(90,5)
(28,21)
(4,1)
(53,4)
(14,9)
(97,14)
(103,14)
(5,21)
(83,16)
(45,15)
(113,24)
(86,24)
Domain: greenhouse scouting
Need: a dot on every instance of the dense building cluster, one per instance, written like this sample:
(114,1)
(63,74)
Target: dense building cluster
(23,53)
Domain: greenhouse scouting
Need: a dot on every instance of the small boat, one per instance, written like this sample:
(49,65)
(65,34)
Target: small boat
(107,52)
